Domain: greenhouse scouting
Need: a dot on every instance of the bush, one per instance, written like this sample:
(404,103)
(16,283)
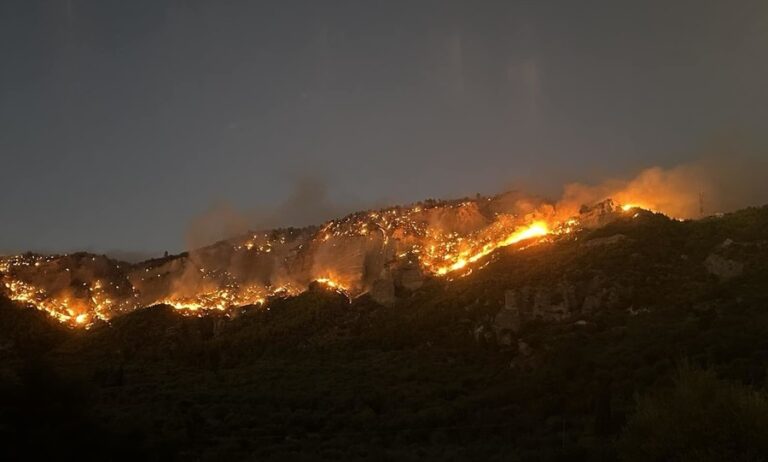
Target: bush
(702,418)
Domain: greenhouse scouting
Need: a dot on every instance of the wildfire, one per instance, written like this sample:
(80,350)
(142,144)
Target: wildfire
(225,299)
(80,289)
(628,207)
(636,207)
(329,282)
(478,250)
(332,284)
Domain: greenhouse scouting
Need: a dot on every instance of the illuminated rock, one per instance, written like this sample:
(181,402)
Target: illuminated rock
(598,214)
(383,292)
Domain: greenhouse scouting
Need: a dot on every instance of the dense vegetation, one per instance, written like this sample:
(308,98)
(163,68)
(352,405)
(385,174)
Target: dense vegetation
(668,363)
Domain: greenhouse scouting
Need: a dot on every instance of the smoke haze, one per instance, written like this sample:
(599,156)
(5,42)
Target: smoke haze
(712,184)
(307,204)
(722,179)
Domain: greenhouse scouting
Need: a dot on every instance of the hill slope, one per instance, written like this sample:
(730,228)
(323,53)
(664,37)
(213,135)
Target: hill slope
(538,356)
(370,251)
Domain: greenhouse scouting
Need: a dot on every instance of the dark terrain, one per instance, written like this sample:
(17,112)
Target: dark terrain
(646,339)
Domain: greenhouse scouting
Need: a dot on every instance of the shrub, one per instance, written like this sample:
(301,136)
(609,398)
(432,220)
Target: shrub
(702,418)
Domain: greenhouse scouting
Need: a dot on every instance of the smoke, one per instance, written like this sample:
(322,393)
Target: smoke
(307,204)
(727,177)
(714,183)
(130,256)
(219,221)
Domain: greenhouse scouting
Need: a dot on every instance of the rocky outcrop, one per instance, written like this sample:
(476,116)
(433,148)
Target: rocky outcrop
(411,278)
(604,298)
(383,292)
(560,302)
(484,332)
(509,317)
(598,215)
(524,349)
(721,263)
(602,294)
(722,267)
(546,303)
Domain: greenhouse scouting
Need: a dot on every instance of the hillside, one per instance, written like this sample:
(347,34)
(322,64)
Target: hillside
(540,355)
(371,251)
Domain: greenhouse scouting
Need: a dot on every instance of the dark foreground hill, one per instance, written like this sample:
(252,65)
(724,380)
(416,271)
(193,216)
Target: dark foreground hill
(646,339)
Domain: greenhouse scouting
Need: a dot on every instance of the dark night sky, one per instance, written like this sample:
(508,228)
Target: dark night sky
(120,121)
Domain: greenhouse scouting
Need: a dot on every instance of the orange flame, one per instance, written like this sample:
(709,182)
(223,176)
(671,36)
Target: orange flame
(536,229)
(407,233)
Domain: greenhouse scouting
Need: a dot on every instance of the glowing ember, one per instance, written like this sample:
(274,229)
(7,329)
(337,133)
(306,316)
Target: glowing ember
(477,249)
(330,283)
(635,207)
(439,238)
(225,299)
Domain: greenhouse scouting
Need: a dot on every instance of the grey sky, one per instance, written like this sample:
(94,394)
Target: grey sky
(121,121)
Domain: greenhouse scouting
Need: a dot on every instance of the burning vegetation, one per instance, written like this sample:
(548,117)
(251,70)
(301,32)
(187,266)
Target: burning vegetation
(360,253)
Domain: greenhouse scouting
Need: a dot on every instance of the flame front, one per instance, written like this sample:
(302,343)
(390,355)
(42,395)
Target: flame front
(474,250)
(440,239)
